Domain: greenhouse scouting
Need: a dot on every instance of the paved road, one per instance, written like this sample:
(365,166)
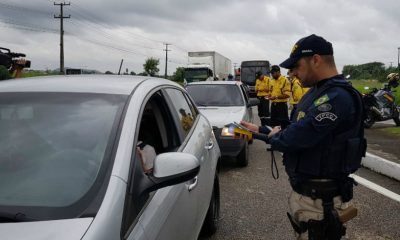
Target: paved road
(254,205)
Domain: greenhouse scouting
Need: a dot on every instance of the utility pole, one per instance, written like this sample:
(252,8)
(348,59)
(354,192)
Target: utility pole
(120,66)
(166,58)
(398,59)
(61,17)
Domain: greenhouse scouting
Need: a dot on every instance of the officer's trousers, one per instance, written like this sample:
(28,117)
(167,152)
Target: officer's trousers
(303,208)
(263,110)
(279,114)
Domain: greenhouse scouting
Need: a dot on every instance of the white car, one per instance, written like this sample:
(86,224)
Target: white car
(105,157)
(225,102)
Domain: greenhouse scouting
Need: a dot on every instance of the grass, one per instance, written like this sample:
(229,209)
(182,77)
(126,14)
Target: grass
(35,74)
(392,130)
(360,84)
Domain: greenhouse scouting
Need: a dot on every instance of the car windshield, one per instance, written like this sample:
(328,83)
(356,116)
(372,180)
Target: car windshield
(54,146)
(195,75)
(216,94)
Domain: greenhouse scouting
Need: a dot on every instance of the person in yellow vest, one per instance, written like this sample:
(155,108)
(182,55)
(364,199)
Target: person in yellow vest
(297,92)
(279,87)
(262,89)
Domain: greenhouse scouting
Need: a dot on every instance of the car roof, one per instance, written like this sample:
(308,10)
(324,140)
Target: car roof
(111,84)
(216,82)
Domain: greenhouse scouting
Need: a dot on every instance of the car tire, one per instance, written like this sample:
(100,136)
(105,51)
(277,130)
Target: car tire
(210,224)
(369,121)
(242,159)
(396,117)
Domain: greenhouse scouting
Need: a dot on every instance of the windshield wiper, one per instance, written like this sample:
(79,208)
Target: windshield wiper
(14,217)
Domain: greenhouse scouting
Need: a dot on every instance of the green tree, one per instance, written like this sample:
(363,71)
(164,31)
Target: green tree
(4,74)
(151,66)
(178,75)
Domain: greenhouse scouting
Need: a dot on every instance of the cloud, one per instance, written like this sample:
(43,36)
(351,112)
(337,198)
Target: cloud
(101,33)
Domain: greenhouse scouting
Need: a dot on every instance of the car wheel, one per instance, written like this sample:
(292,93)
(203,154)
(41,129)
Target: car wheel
(243,157)
(369,121)
(210,224)
(396,117)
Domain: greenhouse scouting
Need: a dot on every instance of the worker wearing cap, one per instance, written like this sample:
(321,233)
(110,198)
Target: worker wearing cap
(279,95)
(323,145)
(262,90)
(297,92)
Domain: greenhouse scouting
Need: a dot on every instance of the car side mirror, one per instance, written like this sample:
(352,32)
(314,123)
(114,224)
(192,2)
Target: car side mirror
(253,102)
(172,168)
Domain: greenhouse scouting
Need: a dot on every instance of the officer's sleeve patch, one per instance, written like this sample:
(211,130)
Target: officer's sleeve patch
(326,115)
(300,115)
(325,107)
(321,100)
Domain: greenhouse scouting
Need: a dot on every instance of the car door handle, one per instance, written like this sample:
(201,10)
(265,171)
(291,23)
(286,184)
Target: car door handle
(193,185)
(209,145)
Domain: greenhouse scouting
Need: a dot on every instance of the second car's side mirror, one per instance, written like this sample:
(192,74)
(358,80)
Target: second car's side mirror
(253,102)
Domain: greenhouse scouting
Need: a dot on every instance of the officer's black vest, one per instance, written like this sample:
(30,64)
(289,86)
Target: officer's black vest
(336,156)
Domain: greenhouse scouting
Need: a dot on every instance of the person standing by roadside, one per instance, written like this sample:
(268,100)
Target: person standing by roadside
(322,146)
(262,91)
(279,95)
(297,92)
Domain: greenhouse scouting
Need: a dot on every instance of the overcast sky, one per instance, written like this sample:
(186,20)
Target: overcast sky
(100,33)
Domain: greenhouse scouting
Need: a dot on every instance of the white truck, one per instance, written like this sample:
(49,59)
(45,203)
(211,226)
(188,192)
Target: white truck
(207,66)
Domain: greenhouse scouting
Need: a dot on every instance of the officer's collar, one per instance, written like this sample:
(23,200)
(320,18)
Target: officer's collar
(323,81)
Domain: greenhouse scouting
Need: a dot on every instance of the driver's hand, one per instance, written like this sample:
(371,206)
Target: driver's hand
(274,131)
(252,127)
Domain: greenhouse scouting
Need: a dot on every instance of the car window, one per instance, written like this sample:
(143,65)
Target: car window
(182,108)
(192,106)
(53,149)
(223,95)
(245,93)
(157,134)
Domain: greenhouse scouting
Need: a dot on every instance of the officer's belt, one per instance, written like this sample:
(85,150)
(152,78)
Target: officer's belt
(318,188)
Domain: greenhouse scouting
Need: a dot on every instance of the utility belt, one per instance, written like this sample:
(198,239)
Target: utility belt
(318,188)
(325,188)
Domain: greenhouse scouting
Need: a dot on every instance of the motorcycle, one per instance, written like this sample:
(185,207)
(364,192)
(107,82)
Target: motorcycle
(380,105)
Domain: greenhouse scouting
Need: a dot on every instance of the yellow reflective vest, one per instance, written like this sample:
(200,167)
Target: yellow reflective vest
(297,91)
(262,86)
(278,87)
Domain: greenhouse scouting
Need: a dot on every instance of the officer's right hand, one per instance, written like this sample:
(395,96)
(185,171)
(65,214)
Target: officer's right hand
(252,127)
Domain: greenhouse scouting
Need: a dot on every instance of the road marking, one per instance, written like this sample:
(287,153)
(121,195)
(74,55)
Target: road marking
(376,188)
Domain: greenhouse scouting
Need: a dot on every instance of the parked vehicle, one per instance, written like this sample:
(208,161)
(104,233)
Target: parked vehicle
(225,102)
(105,157)
(248,73)
(207,66)
(380,105)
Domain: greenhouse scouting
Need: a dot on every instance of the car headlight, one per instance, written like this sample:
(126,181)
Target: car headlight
(227,132)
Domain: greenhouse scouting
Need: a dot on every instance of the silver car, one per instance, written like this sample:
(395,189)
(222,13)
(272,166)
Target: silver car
(225,102)
(105,157)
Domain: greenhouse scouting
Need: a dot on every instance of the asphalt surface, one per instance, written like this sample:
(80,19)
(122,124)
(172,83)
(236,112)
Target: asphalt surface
(254,205)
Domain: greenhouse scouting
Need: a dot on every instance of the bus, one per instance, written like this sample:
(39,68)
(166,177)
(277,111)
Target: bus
(248,70)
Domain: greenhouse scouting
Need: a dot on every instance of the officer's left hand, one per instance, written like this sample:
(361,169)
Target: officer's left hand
(274,131)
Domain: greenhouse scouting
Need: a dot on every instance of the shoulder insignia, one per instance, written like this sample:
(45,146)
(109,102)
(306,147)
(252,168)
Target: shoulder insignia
(324,107)
(321,100)
(300,115)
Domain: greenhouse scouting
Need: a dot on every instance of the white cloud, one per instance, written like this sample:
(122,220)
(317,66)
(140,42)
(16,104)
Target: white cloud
(101,33)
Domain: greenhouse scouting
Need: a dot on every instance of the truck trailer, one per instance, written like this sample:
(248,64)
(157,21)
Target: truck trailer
(207,66)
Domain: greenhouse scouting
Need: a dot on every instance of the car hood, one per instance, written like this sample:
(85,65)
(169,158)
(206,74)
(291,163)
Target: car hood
(46,230)
(220,116)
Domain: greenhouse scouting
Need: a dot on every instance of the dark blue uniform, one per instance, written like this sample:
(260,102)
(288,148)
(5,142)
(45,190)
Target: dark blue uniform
(316,143)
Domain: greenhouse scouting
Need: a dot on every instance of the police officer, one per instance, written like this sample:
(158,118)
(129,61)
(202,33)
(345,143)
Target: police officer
(329,117)
(262,91)
(297,92)
(279,96)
